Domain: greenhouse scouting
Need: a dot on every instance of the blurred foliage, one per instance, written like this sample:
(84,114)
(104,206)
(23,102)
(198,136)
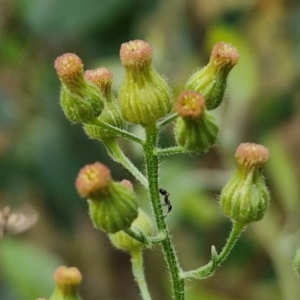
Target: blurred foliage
(41,153)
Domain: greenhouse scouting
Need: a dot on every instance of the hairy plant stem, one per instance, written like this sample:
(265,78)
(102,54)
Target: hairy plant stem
(151,159)
(169,119)
(116,153)
(217,259)
(119,132)
(171,151)
(138,273)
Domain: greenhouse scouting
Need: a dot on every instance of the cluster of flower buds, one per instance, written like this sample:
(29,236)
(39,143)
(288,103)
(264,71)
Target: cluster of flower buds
(80,100)
(112,205)
(144,95)
(245,197)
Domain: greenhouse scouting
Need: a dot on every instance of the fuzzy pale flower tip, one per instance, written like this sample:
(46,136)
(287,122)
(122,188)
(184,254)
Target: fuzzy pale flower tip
(127,183)
(101,77)
(64,276)
(92,179)
(68,66)
(224,54)
(251,155)
(190,104)
(135,53)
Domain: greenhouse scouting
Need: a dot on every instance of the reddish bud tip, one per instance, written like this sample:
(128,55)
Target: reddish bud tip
(92,179)
(68,67)
(224,54)
(101,77)
(127,183)
(251,155)
(135,53)
(190,104)
(66,277)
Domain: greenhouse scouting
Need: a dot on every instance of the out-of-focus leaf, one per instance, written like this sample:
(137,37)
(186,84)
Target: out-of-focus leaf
(71,17)
(282,173)
(28,269)
(194,293)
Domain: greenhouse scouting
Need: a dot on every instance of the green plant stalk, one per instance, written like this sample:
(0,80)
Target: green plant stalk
(151,159)
(116,153)
(171,151)
(208,269)
(146,240)
(119,132)
(169,119)
(138,273)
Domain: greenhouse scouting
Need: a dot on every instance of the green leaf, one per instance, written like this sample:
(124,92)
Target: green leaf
(28,269)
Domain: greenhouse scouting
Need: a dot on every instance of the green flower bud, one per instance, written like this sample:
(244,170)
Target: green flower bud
(296,262)
(80,100)
(144,95)
(67,284)
(245,197)
(195,128)
(111,114)
(211,80)
(123,241)
(112,205)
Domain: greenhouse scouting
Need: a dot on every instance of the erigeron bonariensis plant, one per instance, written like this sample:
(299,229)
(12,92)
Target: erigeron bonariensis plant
(146,99)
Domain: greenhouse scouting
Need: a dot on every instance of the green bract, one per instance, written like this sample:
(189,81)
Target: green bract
(115,209)
(123,241)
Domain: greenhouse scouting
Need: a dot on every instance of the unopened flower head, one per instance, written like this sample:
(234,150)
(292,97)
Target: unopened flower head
(144,95)
(195,128)
(245,197)
(111,113)
(190,105)
(93,179)
(112,205)
(69,68)
(81,101)
(127,183)
(224,55)
(211,80)
(136,54)
(102,78)
(250,155)
(67,282)
(65,276)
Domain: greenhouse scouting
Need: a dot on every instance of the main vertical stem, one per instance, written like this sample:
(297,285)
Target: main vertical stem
(152,172)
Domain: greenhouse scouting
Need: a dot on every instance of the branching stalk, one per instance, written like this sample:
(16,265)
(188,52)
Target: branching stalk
(138,273)
(118,155)
(217,259)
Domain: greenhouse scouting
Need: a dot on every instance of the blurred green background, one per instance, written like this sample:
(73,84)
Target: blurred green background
(41,152)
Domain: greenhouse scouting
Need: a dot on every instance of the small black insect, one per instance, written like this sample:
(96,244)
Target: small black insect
(166,195)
